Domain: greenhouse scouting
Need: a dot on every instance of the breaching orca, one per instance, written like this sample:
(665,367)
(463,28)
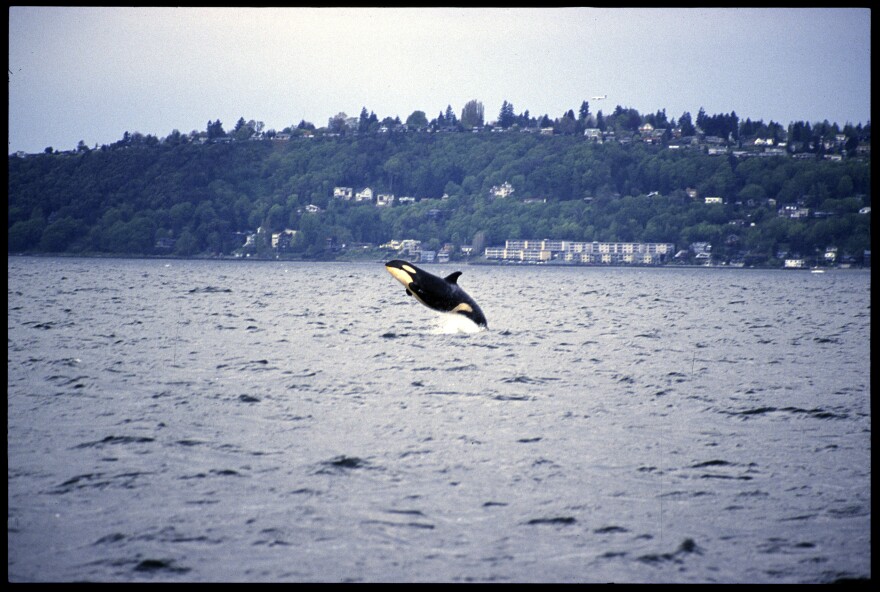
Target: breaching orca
(443,294)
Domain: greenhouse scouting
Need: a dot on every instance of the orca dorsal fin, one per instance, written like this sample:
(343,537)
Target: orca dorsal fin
(452,278)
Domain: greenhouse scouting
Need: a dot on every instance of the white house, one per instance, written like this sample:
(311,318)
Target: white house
(594,134)
(384,199)
(343,192)
(502,190)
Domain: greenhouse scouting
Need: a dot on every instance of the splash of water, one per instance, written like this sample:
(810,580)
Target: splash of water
(450,324)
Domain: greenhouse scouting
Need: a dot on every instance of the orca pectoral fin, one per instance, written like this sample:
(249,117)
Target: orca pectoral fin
(408,293)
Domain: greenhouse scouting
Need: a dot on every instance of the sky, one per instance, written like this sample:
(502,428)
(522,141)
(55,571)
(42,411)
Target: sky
(92,73)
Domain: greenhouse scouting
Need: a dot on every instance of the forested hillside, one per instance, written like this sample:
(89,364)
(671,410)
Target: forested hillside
(191,199)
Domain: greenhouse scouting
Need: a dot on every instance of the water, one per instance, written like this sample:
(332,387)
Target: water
(273,421)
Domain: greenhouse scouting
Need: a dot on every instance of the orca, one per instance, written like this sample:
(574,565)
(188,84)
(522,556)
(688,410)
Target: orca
(442,294)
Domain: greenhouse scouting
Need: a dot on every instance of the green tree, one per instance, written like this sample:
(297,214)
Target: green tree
(25,235)
(364,121)
(62,235)
(506,116)
(186,244)
(417,120)
(584,112)
(686,125)
(845,186)
(242,130)
(450,116)
(275,218)
(566,124)
(472,114)
(338,123)
(394,169)
(215,130)
(752,192)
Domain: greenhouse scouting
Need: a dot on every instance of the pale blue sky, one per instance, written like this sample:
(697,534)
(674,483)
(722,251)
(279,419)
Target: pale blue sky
(92,74)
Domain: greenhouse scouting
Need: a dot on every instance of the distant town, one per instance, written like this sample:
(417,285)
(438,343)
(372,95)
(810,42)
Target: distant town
(544,251)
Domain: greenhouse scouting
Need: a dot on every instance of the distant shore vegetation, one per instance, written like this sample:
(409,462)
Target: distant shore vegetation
(757,193)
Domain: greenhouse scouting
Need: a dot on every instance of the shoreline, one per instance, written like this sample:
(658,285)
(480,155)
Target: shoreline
(473,262)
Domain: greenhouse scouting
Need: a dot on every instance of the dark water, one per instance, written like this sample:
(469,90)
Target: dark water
(244,421)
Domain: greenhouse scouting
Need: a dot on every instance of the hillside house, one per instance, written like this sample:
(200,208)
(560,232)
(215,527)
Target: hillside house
(345,193)
(794,212)
(408,246)
(282,240)
(702,251)
(656,136)
(593,134)
(503,190)
(384,200)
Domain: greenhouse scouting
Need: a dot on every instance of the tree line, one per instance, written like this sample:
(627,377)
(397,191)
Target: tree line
(141,196)
(621,121)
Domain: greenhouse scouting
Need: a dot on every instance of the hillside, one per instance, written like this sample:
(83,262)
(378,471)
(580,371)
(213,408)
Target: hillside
(140,197)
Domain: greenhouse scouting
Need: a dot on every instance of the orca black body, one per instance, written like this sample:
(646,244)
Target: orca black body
(442,294)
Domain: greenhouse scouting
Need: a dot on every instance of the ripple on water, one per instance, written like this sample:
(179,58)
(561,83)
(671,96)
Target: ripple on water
(612,425)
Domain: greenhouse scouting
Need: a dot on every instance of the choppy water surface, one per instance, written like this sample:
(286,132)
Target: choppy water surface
(244,421)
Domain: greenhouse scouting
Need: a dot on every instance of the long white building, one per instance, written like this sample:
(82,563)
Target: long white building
(541,251)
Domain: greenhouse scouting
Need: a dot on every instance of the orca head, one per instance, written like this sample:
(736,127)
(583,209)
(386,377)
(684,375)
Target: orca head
(403,271)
